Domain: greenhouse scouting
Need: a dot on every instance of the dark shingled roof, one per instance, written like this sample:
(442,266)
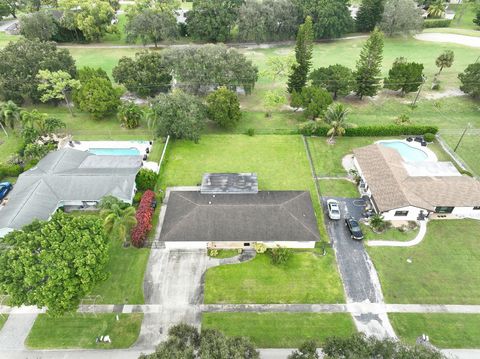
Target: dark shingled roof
(264,216)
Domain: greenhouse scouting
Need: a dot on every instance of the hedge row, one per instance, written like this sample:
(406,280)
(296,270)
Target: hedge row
(429,23)
(144,219)
(314,129)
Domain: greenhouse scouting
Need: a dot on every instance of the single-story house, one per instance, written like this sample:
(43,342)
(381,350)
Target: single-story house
(407,191)
(200,218)
(68,178)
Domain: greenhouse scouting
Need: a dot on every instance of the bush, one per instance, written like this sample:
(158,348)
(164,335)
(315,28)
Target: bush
(402,120)
(260,247)
(10,170)
(320,129)
(280,255)
(213,252)
(429,137)
(146,179)
(144,219)
(251,132)
(137,198)
(429,23)
(129,115)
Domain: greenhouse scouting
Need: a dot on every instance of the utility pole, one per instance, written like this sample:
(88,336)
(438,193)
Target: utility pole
(461,137)
(418,92)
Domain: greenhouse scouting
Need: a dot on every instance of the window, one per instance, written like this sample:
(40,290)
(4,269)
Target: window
(401,213)
(246,244)
(444,209)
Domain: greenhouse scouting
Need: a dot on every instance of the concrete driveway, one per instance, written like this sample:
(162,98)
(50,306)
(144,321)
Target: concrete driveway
(173,279)
(358,274)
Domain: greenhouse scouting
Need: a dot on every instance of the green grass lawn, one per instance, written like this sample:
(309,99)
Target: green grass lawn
(80,330)
(467,150)
(464,15)
(391,234)
(8,145)
(225,253)
(3,319)
(280,330)
(104,58)
(327,158)
(307,277)
(445,268)
(445,330)
(125,282)
(338,188)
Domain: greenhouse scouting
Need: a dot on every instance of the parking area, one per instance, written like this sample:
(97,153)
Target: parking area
(359,277)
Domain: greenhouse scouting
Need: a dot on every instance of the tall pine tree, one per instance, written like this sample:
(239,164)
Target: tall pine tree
(369,14)
(367,74)
(303,56)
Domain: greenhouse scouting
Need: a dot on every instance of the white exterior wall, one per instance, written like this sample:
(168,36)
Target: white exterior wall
(220,245)
(290,244)
(186,245)
(413,213)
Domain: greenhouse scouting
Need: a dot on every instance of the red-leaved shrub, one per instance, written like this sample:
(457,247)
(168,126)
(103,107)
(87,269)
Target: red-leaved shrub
(144,219)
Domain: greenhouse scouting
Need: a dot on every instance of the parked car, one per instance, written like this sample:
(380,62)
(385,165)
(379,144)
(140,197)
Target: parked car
(5,187)
(354,228)
(333,209)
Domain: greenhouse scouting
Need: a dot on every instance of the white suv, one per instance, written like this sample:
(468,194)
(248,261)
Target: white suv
(333,209)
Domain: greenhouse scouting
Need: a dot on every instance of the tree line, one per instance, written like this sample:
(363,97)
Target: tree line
(150,21)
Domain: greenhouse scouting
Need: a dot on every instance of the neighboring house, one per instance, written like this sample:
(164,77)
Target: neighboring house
(407,191)
(228,211)
(68,178)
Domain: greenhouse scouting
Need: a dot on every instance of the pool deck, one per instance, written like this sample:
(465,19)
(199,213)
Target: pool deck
(141,146)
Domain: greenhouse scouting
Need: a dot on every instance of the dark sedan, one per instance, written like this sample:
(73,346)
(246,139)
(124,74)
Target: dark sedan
(5,187)
(354,228)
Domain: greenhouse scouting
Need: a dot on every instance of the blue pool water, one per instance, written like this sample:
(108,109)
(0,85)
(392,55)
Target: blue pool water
(409,153)
(115,151)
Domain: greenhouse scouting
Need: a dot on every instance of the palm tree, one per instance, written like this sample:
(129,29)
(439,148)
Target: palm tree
(10,113)
(118,221)
(336,116)
(436,9)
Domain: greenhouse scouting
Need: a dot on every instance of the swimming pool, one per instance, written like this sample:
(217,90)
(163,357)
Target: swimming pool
(115,151)
(408,153)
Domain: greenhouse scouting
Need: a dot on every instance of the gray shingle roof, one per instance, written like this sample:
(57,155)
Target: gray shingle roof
(68,175)
(264,216)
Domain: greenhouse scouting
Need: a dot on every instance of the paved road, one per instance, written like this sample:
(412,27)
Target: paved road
(359,277)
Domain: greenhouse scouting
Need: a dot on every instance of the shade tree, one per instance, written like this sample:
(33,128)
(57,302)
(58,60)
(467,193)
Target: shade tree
(21,62)
(98,97)
(401,17)
(39,25)
(201,69)
(337,79)
(404,76)
(53,264)
(369,15)
(57,85)
(153,24)
(223,107)
(147,74)
(470,80)
(177,114)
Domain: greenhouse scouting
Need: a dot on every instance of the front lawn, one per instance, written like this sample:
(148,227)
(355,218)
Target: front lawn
(444,330)
(126,268)
(281,330)
(308,277)
(444,268)
(81,330)
(391,234)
